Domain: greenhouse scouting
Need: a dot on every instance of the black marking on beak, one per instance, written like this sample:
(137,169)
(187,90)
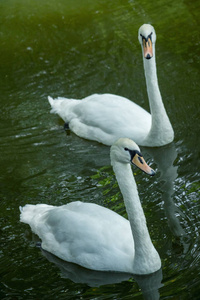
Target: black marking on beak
(140,160)
(133,153)
(148,56)
(146,38)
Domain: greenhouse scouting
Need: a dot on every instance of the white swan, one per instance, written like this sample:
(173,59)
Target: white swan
(105,118)
(96,237)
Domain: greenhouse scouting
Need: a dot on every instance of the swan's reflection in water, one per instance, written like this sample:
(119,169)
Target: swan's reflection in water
(149,284)
(164,158)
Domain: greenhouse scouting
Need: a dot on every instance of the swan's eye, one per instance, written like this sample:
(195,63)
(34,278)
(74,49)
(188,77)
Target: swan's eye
(126,149)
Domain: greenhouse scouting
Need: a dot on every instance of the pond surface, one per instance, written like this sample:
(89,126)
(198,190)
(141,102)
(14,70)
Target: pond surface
(74,48)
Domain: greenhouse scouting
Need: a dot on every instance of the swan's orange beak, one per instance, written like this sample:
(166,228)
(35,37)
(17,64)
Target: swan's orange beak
(142,165)
(147,48)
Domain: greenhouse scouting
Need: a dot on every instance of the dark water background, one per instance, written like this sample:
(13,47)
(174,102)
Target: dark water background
(73,49)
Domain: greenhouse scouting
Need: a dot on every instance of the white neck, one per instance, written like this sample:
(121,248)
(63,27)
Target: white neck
(146,258)
(161,131)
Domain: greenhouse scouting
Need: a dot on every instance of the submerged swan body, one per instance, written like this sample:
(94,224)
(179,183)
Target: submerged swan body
(96,237)
(107,117)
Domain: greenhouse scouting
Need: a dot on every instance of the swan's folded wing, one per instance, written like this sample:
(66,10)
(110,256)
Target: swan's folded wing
(89,235)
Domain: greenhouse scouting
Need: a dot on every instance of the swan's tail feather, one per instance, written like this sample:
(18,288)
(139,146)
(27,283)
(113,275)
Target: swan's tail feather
(59,105)
(54,105)
(29,212)
(50,99)
(26,213)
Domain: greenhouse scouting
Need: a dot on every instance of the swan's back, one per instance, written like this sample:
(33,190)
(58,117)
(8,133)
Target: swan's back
(84,233)
(103,118)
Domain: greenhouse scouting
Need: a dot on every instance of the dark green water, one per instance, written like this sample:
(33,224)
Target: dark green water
(73,49)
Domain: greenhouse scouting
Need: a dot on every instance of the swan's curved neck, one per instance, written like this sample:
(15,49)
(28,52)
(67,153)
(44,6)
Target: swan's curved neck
(128,187)
(161,131)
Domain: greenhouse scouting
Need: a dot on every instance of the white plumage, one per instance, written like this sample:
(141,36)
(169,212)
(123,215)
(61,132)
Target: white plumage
(94,236)
(105,118)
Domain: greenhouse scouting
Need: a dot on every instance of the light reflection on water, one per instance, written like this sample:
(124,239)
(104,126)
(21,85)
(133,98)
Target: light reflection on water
(75,50)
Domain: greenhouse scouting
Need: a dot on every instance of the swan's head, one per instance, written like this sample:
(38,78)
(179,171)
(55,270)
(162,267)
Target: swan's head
(127,151)
(147,38)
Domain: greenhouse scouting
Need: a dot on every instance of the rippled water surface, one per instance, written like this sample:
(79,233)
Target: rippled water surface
(75,48)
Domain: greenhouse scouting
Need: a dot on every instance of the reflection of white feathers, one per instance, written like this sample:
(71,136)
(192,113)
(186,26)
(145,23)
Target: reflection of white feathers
(149,284)
(94,236)
(105,118)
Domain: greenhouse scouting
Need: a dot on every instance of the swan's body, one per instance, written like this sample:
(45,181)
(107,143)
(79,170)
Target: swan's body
(96,237)
(105,118)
